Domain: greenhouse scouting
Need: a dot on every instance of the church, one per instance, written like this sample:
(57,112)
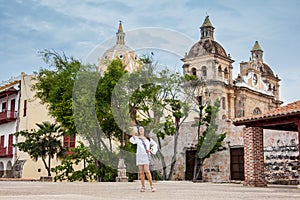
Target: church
(254,91)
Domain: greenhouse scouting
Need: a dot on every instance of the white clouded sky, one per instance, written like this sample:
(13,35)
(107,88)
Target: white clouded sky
(76,27)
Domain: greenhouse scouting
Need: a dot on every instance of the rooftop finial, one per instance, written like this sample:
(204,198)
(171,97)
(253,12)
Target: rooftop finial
(120,27)
(120,34)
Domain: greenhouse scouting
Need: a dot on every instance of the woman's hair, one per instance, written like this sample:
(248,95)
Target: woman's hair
(145,134)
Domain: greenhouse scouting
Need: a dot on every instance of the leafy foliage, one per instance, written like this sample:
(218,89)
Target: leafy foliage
(83,160)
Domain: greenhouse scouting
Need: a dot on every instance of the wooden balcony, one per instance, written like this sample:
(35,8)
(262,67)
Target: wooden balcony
(8,116)
(6,152)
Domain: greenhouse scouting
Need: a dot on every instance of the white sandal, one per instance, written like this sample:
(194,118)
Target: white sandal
(142,189)
(152,188)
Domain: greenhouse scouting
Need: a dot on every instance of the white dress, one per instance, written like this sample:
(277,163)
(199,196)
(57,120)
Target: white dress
(141,154)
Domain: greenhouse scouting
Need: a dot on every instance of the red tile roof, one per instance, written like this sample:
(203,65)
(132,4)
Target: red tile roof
(287,110)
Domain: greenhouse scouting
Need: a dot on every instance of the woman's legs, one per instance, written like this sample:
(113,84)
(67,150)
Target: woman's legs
(145,169)
(149,177)
(148,174)
(142,176)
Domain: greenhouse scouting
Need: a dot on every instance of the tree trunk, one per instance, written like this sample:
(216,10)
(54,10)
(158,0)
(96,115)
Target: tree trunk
(199,172)
(98,165)
(49,163)
(46,166)
(162,159)
(173,162)
(198,148)
(195,168)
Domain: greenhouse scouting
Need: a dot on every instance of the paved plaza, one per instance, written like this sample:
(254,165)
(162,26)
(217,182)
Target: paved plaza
(19,190)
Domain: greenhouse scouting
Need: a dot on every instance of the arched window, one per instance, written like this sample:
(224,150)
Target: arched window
(220,72)
(1,166)
(261,69)
(270,87)
(9,165)
(204,71)
(223,103)
(194,71)
(226,74)
(256,111)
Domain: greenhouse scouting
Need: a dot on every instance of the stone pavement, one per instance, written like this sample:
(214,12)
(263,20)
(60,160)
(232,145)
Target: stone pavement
(170,190)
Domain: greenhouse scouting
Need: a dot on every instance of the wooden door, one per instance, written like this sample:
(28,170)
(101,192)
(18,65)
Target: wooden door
(237,163)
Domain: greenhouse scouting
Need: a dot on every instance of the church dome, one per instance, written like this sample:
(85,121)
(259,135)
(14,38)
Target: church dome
(119,51)
(206,47)
(267,70)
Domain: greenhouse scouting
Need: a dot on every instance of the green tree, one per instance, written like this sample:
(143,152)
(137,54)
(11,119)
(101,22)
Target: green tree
(81,156)
(208,141)
(45,143)
(154,100)
(78,98)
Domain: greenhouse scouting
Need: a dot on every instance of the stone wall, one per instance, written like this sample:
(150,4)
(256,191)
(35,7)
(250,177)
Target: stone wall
(280,154)
(281,157)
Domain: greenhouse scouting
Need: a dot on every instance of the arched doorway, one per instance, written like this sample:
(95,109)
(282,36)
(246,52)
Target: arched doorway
(9,170)
(1,169)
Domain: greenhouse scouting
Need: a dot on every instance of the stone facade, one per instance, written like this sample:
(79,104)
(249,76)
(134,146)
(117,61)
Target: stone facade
(255,90)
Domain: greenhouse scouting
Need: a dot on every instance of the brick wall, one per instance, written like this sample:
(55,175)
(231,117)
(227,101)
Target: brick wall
(254,157)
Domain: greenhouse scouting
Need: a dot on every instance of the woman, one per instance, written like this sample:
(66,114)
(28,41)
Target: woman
(142,160)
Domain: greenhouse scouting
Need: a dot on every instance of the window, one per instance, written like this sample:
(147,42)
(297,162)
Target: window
(4,107)
(223,102)
(204,71)
(270,87)
(220,72)
(13,105)
(256,111)
(25,108)
(194,71)
(199,100)
(2,141)
(10,140)
(226,74)
(69,141)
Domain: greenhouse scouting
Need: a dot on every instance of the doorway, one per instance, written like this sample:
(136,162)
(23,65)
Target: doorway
(237,164)
(189,165)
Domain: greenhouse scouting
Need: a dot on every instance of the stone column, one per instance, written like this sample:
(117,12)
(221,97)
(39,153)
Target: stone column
(254,157)
(121,171)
